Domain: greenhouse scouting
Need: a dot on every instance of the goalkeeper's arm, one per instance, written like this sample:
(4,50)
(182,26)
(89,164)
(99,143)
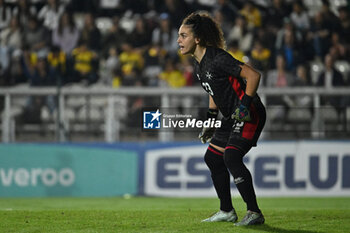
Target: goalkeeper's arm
(252,77)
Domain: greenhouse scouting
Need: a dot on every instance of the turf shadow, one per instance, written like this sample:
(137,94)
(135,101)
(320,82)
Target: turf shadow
(268,228)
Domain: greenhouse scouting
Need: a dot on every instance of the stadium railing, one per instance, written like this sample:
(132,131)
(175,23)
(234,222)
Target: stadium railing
(111,124)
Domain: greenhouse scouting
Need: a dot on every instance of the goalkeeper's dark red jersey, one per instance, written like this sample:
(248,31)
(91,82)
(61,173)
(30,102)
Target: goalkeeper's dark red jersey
(218,73)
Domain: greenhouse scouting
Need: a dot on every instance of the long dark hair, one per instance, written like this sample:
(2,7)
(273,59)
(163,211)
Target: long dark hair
(206,29)
(71,23)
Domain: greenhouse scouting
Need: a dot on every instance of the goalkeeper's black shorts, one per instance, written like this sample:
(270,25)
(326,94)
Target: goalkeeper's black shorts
(242,135)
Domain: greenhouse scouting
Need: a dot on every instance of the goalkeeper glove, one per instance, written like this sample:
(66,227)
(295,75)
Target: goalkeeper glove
(208,132)
(242,111)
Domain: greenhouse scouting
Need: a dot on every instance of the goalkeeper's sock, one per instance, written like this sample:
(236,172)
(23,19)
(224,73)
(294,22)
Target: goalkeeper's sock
(233,158)
(220,176)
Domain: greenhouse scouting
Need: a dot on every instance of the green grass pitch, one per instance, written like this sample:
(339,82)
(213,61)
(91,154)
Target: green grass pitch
(147,214)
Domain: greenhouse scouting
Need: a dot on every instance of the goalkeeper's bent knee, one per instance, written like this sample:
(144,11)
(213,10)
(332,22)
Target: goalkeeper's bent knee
(214,159)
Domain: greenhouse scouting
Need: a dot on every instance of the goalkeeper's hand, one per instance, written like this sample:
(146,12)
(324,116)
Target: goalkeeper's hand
(242,111)
(206,134)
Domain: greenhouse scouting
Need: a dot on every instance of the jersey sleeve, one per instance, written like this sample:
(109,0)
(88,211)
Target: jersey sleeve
(226,65)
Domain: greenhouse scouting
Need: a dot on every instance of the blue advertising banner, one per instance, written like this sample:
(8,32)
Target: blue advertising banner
(55,170)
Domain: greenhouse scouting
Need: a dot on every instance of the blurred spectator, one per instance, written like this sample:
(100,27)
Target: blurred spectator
(302,102)
(279,77)
(14,74)
(36,36)
(130,59)
(287,30)
(260,56)
(57,63)
(338,49)
(66,35)
(90,6)
(177,10)
(165,35)
(242,34)
(10,40)
(154,59)
(275,13)
(330,20)
(252,14)
(110,8)
(109,68)
(90,33)
(233,49)
(172,76)
(330,77)
(290,50)
(50,14)
(85,64)
(187,71)
(141,36)
(117,78)
(319,35)
(228,10)
(267,38)
(133,78)
(24,11)
(114,37)
(5,14)
(221,20)
(207,5)
(138,6)
(300,17)
(344,18)
(135,103)
(38,75)
(302,77)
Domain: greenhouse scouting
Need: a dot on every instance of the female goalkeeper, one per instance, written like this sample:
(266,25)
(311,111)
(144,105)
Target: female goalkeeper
(232,87)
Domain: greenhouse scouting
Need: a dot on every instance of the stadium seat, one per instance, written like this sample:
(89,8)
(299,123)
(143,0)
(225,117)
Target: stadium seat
(104,24)
(93,114)
(329,113)
(18,101)
(335,4)
(75,101)
(299,115)
(45,114)
(15,111)
(79,20)
(69,114)
(344,68)
(316,69)
(313,6)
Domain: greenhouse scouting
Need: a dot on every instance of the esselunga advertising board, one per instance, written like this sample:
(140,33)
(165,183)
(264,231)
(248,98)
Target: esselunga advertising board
(296,168)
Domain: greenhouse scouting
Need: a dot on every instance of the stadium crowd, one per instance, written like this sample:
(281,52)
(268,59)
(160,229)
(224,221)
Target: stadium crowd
(134,42)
